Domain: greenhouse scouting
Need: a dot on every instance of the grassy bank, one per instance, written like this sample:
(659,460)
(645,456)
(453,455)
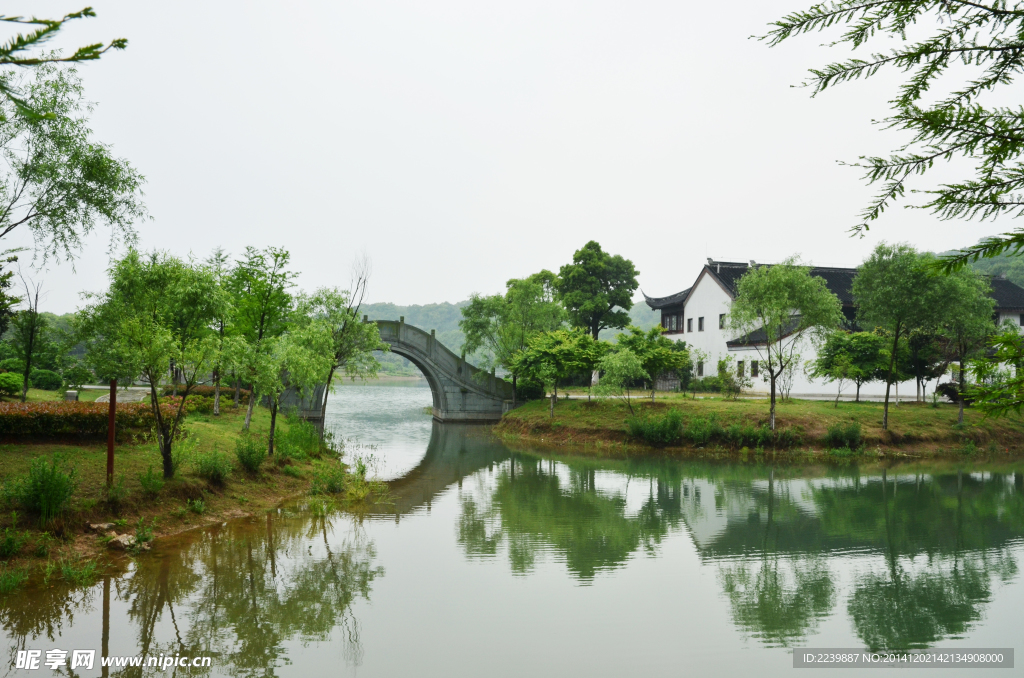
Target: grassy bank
(916,430)
(142,504)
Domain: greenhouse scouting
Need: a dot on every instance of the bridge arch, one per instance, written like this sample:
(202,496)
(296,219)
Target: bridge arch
(460,391)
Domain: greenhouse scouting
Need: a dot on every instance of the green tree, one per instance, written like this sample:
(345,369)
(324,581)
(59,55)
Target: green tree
(16,52)
(29,333)
(657,353)
(259,286)
(926,359)
(503,323)
(350,343)
(597,289)
(55,179)
(552,356)
(966,324)
(620,369)
(219,265)
(158,311)
(853,356)
(958,51)
(895,290)
(783,304)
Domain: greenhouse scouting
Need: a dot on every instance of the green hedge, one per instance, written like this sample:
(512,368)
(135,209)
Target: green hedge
(80,420)
(227,394)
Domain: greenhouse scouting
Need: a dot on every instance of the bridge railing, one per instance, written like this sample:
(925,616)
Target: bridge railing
(443,357)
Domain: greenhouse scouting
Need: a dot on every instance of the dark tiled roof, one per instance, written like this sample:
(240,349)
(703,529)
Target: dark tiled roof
(1007,294)
(664,302)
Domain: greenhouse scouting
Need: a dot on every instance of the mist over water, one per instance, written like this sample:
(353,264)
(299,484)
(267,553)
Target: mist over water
(491,561)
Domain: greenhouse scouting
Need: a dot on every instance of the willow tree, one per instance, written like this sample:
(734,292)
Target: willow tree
(776,308)
(952,53)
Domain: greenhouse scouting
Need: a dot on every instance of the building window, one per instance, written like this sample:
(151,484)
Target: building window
(1022,319)
(700,368)
(721,321)
(700,324)
(675,323)
(739,368)
(664,320)
(753,368)
(689,325)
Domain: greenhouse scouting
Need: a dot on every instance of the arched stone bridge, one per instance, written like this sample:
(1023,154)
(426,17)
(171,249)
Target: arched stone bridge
(461,391)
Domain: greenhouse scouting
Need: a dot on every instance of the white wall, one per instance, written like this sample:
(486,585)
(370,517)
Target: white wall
(708,300)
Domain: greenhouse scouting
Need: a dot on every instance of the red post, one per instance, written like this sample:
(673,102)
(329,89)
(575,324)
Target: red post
(110,433)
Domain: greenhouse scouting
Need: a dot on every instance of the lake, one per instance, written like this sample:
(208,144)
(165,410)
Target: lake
(487,560)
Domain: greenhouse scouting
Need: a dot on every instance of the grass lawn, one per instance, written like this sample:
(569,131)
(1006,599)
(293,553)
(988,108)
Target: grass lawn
(919,428)
(184,502)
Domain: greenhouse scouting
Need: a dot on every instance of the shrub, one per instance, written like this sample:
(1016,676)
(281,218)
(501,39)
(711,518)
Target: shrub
(529,390)
(73,570)
(11,579)
(292,471)
(46,380)
(193,404)
(16,365)
(143,532)
(12,542)
(251,450)
(300,440)
(79,420)
(151,482)
(843,452)
(116,494)
(214,466)
(46,491)
(657,430)
(197,506)
(10,384)
(328,480)
(701,431)
(77,375)
(840,435)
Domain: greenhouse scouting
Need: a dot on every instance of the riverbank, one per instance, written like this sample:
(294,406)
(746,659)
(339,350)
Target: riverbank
(142,505)
(916,430)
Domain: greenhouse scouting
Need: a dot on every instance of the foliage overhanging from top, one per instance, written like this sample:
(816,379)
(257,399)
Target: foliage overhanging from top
(986,39)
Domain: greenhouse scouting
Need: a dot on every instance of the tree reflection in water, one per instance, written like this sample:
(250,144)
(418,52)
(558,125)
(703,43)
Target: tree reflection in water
(531,510)
(238,593)
(909,606)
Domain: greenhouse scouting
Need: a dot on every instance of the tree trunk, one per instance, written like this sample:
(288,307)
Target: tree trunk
(323,406)
(960,415)
(248,412)
(238,386)
(513,390)
(595,377)
(888,380)
(551,411)
(273,424)
(771,409)
(216,394)
(858,393)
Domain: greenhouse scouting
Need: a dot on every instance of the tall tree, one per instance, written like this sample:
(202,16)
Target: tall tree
(28,337)
(597,289)
(503,323)
(158,309)
(219,265)
(966,323)
(783,304)
(350,342)
(259,286)
(895,290)
(953,52)
(55,179)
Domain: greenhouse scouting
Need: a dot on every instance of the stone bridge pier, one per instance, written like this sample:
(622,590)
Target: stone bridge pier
(461,392)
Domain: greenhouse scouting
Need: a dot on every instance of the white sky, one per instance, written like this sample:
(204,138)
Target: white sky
(460,144)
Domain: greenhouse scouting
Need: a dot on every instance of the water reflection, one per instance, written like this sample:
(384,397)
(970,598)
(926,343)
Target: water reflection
(898,560)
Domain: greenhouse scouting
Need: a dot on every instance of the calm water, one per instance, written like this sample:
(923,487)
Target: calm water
(501,563)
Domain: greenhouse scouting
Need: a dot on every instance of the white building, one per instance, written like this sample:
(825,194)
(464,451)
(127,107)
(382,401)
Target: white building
(697,316)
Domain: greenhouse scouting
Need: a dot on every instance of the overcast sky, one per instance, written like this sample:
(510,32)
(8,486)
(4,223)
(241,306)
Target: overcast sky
(459,144)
